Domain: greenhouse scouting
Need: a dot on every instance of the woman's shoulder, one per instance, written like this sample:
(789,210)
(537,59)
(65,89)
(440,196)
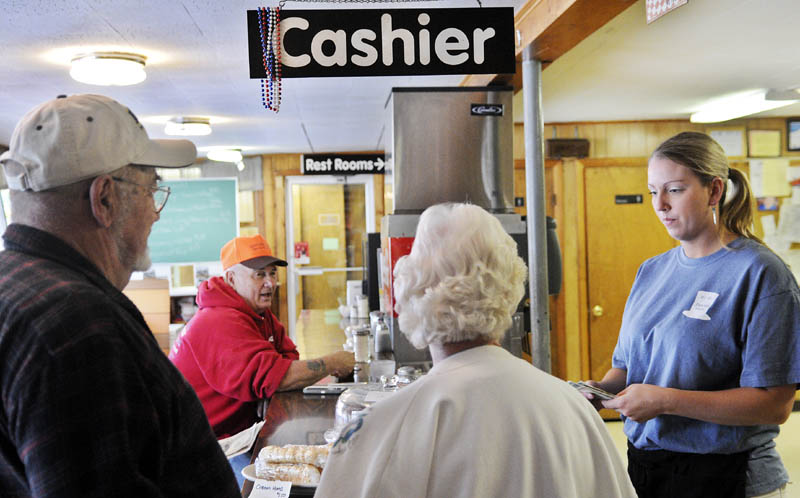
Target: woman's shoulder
(763,264)
(756,254)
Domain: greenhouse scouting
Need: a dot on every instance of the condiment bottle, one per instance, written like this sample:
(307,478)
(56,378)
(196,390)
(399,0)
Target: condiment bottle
(383,341)
(361,344)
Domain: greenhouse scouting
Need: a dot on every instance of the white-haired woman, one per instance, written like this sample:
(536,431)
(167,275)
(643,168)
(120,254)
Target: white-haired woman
(482,422)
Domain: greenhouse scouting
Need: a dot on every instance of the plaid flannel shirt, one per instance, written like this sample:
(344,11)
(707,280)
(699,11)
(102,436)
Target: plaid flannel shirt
(91,407)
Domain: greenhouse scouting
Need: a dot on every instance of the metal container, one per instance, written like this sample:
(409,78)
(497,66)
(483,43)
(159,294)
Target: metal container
(383,338)
(450,144)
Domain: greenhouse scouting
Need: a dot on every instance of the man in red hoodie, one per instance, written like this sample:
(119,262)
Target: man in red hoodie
(234,351)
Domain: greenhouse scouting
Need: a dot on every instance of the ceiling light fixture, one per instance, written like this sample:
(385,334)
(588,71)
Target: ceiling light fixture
(736,106)
(225,155)
(189,126)
(788,94)
(108,68)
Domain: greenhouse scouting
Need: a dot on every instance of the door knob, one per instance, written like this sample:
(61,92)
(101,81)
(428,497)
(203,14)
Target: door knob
(597,310)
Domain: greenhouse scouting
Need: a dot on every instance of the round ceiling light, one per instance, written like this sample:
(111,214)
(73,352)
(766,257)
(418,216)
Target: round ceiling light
(225,155)
(108,68)
(189,126)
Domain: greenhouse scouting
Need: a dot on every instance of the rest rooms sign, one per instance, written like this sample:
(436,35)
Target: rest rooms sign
(342,164)
(365,42)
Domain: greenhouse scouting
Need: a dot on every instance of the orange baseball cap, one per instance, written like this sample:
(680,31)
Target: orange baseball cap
(253,252)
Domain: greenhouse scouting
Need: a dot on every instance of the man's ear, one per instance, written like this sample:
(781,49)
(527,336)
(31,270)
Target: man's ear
(104,200)
(229,277)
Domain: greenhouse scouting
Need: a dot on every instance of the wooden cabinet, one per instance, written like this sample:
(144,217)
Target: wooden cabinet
(151,296)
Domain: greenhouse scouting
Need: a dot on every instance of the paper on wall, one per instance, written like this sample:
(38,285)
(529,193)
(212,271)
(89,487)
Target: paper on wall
(756,174)
(768,224)
(792,173)
(789,222)
(769,177)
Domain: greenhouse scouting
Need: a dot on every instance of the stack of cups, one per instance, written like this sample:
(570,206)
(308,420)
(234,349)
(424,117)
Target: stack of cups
(363,306)
(361,352)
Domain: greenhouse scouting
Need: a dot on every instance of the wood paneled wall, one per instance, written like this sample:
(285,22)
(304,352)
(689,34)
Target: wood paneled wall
(610,143)
(274,168)
(616,139)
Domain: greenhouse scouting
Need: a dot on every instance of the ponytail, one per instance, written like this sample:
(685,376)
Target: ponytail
(736,206)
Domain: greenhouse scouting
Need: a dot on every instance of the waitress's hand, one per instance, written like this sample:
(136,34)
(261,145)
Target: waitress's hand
(639,402)
(594,400)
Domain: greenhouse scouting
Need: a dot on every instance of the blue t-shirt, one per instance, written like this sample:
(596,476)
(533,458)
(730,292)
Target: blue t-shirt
(730,319)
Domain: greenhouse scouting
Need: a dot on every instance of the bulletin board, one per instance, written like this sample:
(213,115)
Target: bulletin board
(201,215)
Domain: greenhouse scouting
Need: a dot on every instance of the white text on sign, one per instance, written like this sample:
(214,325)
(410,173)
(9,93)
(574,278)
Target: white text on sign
(339,165)
(450,45)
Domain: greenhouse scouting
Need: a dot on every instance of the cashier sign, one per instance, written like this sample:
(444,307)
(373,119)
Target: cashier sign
(393,42)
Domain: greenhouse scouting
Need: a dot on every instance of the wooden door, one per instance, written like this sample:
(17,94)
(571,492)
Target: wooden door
(619,237)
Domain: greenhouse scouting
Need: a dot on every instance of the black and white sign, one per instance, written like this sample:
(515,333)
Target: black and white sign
(394,42)
(628,199)
(486,109)
(342,164)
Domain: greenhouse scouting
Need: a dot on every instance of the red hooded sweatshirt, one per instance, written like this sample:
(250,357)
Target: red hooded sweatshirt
(232,356)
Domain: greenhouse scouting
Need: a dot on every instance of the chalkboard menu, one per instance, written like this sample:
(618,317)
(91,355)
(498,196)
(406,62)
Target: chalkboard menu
(199,218)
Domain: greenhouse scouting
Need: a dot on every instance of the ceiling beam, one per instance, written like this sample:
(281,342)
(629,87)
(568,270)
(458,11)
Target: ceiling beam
(552,27)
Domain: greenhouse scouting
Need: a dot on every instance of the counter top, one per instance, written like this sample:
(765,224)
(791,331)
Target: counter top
(295,418)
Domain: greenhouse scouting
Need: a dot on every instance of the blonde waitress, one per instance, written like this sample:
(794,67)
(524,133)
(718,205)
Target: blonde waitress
(708,356)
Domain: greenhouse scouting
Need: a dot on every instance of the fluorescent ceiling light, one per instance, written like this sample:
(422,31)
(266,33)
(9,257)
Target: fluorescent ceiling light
(736,106)
(108,68)
(225,155)
(188,126)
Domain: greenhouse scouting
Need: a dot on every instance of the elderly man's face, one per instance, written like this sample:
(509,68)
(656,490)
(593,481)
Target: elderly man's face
(256,287)
(138,215)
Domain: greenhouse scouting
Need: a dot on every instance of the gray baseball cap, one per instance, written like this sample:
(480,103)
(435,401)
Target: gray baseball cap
(74,138)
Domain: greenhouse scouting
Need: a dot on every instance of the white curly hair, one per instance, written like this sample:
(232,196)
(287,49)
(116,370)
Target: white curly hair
(462,280)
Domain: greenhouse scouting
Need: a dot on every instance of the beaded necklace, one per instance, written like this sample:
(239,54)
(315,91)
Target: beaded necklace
(269,28)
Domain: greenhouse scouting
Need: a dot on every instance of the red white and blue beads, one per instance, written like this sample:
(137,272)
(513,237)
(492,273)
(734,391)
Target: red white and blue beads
(269,30)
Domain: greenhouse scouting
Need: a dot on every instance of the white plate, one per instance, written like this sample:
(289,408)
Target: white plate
(249,473)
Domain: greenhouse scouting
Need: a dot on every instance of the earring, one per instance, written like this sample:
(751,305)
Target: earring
(714,214)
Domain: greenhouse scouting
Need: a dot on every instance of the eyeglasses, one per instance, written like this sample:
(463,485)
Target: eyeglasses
(159,194)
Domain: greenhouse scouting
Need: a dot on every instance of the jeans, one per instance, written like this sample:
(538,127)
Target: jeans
(238,463)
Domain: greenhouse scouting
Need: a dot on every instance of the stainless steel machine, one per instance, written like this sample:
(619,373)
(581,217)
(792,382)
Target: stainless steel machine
(446,145)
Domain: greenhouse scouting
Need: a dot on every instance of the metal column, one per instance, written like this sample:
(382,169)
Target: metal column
(535,193)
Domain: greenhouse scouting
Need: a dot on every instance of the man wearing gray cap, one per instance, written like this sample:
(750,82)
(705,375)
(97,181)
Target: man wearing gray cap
(90,404)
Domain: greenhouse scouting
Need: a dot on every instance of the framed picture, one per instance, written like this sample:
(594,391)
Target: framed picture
(764,143)
(793,133)
(732,140)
